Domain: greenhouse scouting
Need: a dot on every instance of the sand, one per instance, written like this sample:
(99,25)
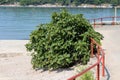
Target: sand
(15,61)
(13,46)
(15,64)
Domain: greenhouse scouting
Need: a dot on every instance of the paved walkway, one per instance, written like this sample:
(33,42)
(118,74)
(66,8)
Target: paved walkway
(111,44)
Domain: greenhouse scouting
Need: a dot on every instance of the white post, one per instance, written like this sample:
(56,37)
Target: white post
(115,14)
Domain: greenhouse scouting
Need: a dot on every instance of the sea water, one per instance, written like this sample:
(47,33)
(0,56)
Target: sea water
(16,23)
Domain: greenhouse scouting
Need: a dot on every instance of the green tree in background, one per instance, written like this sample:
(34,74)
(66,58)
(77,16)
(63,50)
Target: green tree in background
(62,2)
(96,2)
(76,2)
(115,2)
(63,42)
(7,1)
(25,2)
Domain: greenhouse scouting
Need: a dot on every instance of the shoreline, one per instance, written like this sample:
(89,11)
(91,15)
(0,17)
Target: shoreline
(60,6)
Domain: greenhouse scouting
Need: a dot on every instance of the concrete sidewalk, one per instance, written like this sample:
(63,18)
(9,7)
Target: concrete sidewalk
(111,44)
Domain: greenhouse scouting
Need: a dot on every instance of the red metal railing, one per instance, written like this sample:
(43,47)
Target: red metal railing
(112,20)
(100,59)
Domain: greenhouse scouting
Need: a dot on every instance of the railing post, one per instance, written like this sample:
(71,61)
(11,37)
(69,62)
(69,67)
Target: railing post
(98,51)
(98,66)
(103,66)
(91,48)
(98,72)
(113,23)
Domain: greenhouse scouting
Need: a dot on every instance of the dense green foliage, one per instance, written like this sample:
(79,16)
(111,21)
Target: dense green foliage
(7,1)
(63,42)
(62,2)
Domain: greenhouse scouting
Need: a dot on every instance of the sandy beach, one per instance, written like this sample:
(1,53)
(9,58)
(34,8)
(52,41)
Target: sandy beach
(15,64)
(15,61)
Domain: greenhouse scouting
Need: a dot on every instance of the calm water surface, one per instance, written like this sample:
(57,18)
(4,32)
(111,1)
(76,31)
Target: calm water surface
(17,23)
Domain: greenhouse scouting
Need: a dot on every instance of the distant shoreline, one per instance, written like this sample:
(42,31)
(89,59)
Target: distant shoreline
(60,6)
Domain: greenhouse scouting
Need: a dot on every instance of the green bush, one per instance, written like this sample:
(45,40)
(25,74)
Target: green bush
(87,76)
(63,42)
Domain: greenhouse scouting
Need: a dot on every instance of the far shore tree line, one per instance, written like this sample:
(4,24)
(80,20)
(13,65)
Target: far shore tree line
(61,2)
